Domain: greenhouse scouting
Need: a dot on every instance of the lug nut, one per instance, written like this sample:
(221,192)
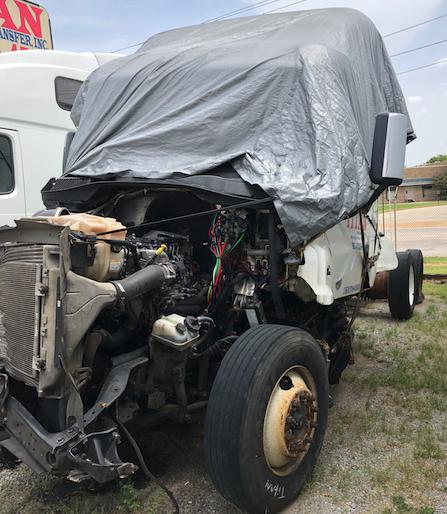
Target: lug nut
(290,420)
(305,396)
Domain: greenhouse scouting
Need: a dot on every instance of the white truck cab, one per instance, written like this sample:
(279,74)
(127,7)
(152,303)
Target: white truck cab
(37,91)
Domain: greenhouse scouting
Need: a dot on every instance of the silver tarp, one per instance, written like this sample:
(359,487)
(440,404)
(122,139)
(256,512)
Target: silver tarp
(288,99)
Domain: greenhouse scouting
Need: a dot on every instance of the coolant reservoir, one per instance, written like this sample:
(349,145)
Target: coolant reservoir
(176,331)
(90,224)
(107,263)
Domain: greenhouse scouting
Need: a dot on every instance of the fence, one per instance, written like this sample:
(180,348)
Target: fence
(420,225)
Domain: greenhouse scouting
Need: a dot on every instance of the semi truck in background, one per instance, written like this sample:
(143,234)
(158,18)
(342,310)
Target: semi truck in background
(37,91)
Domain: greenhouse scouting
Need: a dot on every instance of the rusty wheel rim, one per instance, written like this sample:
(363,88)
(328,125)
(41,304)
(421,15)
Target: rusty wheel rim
(290,420)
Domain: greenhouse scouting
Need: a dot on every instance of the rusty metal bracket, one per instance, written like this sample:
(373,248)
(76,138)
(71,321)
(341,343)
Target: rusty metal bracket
(113,387)
(30,442)
(96,456)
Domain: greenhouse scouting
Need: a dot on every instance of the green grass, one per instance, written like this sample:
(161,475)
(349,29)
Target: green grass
(411,205)
(423,370)
(435,265)
(404,372)
(128,497)
(400,506)
(435,289)
(427,445)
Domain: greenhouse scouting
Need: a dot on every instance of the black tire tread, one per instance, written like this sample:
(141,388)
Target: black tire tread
(222,429)
(398,288)
(239,359)
(418,260)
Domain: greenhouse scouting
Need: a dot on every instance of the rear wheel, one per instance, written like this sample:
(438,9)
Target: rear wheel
(418,263)
(402,287)
(267,417)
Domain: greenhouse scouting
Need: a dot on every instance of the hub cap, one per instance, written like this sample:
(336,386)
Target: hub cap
(290,421)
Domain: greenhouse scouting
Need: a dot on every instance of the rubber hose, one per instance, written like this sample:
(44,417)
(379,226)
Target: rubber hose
(139,283)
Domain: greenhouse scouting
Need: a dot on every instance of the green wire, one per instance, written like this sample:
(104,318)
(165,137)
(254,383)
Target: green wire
(238,241)
(217,265)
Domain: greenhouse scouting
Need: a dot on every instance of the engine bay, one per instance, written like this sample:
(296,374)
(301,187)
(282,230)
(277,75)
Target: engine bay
(128,310)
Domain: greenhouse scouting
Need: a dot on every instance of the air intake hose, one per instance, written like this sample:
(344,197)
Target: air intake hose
(139,283)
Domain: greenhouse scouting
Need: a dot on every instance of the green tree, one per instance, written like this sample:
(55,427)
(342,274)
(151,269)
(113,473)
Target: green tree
(440,184)
(437,158)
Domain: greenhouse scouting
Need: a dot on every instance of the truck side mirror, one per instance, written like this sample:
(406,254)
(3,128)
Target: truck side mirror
(388,155)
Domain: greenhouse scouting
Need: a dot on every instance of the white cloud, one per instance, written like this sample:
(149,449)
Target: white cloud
(414,99)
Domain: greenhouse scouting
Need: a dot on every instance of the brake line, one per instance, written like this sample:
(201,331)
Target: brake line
(144,467)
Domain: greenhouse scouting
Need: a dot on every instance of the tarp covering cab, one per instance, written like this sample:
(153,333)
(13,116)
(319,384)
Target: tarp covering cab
(289,100)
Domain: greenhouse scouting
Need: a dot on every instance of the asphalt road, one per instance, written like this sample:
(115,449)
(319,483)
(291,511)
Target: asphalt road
(424,228)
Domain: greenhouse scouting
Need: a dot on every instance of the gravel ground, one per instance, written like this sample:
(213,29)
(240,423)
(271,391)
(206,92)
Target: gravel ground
(385,450)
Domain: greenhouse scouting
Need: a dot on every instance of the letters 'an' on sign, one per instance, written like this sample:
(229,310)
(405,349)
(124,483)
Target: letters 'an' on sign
(24,26)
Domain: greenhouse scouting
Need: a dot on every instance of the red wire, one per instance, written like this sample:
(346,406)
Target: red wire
(218,249)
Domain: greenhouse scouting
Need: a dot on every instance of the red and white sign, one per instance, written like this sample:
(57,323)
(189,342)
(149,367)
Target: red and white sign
(24,26)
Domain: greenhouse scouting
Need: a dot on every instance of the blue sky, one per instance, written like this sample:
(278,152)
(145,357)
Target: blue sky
(102,25)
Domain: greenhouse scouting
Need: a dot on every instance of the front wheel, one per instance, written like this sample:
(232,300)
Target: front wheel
(267,417)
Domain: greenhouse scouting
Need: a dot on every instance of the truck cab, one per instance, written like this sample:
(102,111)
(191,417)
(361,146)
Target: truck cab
(37,91)
(202,251)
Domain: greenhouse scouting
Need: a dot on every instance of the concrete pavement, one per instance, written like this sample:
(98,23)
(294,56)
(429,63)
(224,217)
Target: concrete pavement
(424,228)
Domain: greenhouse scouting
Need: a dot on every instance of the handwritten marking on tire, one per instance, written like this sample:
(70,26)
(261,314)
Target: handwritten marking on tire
(276,490)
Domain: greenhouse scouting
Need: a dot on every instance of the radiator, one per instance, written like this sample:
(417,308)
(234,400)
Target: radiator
(20,273)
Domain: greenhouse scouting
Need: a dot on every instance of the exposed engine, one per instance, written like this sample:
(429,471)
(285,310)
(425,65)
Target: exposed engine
(101,322)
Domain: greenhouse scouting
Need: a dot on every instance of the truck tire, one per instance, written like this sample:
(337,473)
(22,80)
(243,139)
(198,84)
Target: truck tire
(266,417)
(402,287)
(418,260)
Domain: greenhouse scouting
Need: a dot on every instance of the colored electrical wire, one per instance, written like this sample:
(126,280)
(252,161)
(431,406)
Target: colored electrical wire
(220,249)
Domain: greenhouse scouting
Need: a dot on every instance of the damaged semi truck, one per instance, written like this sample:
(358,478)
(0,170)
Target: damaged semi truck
(215,215)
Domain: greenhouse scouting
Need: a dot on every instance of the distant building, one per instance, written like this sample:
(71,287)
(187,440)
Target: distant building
(418,183)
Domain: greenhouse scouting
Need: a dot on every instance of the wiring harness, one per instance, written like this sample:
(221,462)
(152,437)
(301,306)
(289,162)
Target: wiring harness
(222,242)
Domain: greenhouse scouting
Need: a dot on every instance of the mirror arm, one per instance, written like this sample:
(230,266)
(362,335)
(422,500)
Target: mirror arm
(375,196)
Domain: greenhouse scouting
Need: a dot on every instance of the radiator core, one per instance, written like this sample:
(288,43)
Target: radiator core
(20,273)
